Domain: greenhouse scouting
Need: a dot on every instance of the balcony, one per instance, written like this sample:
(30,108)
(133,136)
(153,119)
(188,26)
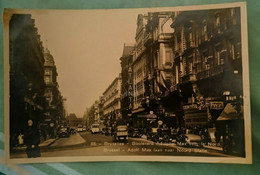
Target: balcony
(167,65)
(210,72)
(164,37)
(191,44)
(188,78)
(147,39)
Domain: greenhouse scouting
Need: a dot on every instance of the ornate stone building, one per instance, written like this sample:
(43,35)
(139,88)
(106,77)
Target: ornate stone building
(112,103)
(26,74)
(207,62)
(54,112)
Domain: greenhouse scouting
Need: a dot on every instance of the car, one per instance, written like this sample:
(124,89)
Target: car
(152,134)
(103,131)
(120,133)
(80,129)
(84,128)
(64,132)
(108,131)
(136,133)
(189,140)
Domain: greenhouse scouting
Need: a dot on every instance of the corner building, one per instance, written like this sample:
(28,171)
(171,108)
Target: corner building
(26,75)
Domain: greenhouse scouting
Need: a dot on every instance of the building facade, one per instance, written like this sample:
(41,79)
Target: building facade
(207,48)
(54,107)
(112,102)
(26,75)
(152,66)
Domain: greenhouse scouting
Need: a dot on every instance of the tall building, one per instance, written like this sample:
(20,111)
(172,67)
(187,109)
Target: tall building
(26,74)
(152,66)
(159,82)
(139,65)
(54,112)
(208,64)
(112,104)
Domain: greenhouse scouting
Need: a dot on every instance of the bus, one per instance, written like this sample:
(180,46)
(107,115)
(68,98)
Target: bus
(95,128)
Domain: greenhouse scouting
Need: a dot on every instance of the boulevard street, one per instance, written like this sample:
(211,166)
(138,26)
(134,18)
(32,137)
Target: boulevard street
(87,144)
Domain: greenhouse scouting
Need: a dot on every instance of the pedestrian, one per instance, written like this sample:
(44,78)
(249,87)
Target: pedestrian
(20,139)
(205,134)
(217,137)
(32,140)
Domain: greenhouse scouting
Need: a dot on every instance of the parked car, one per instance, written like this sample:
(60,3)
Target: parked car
(72,131)
(64,132)
(152,134)
(164,134)
(108,131)
(188,140)
(120,133)
(103,131)
(136,133)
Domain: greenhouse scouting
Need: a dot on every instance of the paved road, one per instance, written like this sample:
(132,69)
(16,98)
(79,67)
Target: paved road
(87,144)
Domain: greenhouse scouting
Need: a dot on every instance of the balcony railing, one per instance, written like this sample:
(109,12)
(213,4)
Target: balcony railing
(147,38)
(165,36)
(210,72)
(188,78)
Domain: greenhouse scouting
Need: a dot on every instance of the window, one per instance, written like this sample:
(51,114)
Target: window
(139,72)
(190,59)
(217,54)
(190,34)
(168,58)
(217,20)
(232,51)
(47,79)
(204,31)
(47,72)
(232,12)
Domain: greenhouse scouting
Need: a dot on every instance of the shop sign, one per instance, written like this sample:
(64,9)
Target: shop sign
(130,90)
(216,105)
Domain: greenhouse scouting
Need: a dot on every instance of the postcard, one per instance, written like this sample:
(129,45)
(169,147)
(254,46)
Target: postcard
(154,84)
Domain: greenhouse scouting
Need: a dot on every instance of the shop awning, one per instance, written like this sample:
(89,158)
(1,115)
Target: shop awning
(229,113)
(138,110)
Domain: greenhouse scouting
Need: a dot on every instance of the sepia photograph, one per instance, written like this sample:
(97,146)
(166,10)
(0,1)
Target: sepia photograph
(154,84)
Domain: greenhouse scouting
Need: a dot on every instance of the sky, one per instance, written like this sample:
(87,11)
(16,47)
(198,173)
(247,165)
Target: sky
(86,46)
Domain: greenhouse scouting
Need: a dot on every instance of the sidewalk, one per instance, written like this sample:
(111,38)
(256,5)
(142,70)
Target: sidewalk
(69,141)
(44,144)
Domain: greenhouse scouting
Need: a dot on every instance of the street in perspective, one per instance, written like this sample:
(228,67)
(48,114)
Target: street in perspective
(173,88)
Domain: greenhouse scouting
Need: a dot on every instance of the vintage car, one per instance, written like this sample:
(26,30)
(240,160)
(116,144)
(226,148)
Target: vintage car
(80,128)
(136,133)
(152,134)
(64,132)
(120,133)
(108,131)
(189,140)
